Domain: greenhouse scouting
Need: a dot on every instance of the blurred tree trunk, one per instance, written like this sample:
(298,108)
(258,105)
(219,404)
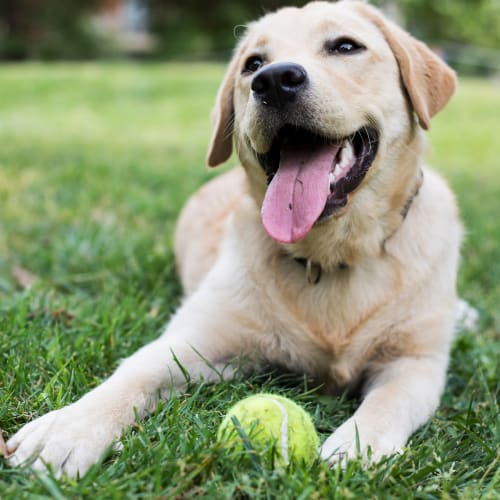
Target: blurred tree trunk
(38,28)
(19,30)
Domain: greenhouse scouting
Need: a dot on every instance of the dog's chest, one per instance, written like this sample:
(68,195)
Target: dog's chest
(317,326)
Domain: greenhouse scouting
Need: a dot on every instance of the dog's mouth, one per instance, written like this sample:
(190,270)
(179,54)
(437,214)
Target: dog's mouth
(310,177)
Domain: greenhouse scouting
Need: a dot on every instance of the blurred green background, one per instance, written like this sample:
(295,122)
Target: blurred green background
(467,32)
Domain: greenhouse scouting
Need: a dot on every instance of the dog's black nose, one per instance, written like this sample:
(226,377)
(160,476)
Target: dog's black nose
(278,84)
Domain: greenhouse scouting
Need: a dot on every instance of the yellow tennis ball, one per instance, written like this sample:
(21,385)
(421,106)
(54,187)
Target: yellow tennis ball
(271,426)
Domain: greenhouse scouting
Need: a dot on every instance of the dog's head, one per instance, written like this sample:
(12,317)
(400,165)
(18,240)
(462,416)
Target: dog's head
(321,102)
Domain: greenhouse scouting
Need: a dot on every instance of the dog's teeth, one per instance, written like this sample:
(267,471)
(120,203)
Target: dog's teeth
(346,154)
(345,158)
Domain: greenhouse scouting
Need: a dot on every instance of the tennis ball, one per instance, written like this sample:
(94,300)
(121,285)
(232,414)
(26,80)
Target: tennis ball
(271,426)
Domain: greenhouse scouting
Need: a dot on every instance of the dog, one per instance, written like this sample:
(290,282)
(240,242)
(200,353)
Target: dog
(332,250)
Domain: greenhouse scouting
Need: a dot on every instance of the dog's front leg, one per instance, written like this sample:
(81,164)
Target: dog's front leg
(198,342)
(399,398)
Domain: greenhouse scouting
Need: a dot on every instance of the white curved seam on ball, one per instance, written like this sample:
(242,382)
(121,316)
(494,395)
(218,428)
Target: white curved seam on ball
(283,430)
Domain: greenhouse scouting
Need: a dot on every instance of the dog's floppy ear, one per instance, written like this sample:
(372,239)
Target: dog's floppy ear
(429,82)
(221,144)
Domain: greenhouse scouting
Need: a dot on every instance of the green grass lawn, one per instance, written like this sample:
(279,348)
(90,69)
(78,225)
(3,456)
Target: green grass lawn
(95,163)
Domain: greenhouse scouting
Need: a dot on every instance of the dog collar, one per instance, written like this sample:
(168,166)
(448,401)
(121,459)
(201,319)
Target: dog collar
(314,270)
(409,201)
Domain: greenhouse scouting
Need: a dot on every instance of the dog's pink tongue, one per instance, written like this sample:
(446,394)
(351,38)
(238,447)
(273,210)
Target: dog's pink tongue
(298,192)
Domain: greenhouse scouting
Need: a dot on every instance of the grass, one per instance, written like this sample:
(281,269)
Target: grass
(95,163)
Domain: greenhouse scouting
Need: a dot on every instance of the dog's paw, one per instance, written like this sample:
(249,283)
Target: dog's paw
(350,442)
(70,440)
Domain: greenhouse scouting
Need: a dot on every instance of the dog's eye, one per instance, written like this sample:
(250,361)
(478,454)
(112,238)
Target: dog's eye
(252,64)
(343,46)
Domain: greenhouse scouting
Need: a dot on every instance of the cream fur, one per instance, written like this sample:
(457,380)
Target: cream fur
(388,316)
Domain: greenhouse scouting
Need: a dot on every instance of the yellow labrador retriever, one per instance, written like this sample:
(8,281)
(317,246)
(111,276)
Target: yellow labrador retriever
(333,251)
